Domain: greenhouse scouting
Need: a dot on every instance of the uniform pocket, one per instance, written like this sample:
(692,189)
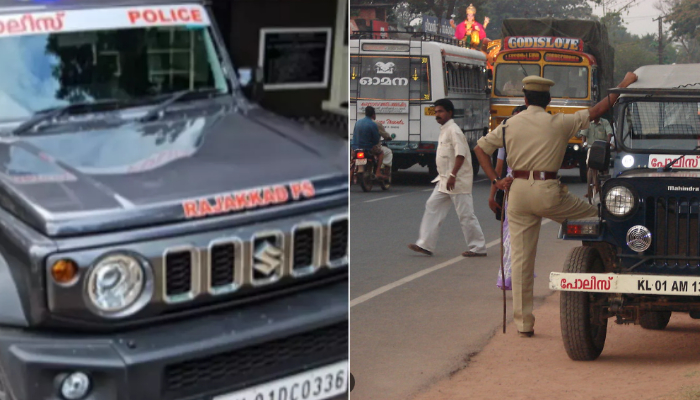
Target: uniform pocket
(551,194)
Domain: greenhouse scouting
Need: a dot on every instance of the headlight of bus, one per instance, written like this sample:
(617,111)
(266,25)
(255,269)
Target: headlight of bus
(119,285)
(619,201)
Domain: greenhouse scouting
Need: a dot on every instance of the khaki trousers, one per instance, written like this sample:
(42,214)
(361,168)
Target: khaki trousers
(528,202)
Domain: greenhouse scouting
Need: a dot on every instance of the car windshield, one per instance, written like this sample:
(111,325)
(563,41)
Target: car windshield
(53,59)
(656,125)
(509,78)
(569,81)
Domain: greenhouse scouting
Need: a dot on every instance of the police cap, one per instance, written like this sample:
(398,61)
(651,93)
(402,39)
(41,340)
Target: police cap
(535,83)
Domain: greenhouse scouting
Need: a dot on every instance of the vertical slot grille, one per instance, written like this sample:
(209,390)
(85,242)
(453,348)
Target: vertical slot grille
(339,240)
(675,231)
(178,272)
(222,264)
(303,248)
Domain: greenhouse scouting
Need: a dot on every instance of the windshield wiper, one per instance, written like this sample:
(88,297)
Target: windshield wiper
(667,167)
(51,114)
(157,110)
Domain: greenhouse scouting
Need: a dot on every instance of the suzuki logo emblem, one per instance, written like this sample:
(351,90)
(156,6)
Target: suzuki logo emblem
(268,259)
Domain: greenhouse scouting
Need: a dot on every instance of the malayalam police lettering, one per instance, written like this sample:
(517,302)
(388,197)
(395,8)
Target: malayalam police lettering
(100,18)
(248,199)
(544,42)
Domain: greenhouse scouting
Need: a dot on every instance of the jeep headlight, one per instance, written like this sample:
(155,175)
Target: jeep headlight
(619,201)
(118,285)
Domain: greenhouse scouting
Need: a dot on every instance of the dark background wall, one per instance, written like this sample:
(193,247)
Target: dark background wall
(241,21)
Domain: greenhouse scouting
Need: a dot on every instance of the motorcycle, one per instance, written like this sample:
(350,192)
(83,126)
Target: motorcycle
(363,166)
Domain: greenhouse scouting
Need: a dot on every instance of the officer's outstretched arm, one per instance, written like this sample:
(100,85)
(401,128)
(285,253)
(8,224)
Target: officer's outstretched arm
(606,104)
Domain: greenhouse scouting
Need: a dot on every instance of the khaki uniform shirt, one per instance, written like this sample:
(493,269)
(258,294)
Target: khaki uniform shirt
(382,132)
(535,139)
(453,143)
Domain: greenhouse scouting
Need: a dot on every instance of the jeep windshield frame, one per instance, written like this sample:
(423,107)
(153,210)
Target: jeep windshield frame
(669,131)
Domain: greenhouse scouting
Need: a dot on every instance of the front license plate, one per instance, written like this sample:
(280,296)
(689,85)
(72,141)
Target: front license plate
(635,284)
(430,111)
(361,162)
(317,384)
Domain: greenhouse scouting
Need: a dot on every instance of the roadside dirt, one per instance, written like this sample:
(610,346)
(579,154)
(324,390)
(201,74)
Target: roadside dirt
(635,364)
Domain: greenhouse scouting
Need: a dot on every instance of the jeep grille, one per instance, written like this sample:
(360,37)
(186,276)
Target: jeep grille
(673,222)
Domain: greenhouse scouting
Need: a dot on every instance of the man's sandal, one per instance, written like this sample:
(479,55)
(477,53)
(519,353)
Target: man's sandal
(472,254)
(419,249)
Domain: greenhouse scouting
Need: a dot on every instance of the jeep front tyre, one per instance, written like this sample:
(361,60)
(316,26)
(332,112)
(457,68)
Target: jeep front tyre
(655,320)
(583,334)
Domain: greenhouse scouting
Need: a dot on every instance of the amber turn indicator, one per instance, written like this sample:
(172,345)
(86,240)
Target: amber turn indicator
(64,271)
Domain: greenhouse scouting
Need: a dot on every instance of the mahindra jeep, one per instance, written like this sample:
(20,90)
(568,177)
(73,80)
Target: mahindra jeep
(640,258)
(161,236)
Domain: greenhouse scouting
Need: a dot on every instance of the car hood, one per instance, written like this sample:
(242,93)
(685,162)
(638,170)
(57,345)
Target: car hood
(220,161)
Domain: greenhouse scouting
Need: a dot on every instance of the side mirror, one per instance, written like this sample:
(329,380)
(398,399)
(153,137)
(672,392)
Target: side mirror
(251,81)
(599,156)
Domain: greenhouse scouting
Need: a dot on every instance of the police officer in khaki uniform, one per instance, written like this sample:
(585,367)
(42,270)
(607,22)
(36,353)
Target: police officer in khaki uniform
(535,145)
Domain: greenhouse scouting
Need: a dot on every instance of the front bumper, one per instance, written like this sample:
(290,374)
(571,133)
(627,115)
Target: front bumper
(192,359)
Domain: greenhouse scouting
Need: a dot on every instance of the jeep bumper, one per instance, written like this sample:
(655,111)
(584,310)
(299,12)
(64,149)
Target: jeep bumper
(197,358)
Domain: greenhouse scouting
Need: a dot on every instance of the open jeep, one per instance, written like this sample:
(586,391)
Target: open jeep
(640,258)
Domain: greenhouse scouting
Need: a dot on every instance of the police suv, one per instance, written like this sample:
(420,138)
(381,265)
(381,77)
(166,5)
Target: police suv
(640,259)
(161,237)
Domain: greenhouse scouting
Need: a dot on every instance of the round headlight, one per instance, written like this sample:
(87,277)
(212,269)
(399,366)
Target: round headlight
(619,201)
(117,283)
(627,161)
(576,147)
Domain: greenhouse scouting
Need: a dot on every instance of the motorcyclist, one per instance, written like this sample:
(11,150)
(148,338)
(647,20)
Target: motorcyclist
(366,137)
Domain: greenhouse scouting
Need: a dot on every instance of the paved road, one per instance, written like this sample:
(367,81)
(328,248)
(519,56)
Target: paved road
(418,319)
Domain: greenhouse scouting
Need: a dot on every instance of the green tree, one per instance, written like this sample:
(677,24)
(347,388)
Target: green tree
(684,18)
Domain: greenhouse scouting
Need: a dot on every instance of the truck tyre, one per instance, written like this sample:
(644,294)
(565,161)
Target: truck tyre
(655,320)
(583,337)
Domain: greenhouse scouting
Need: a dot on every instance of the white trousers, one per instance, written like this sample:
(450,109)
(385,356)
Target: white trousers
(388,156)
(436,209)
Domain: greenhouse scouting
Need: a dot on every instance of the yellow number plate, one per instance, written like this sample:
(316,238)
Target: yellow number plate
(430,111)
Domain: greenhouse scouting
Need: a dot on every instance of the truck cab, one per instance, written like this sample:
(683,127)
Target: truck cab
(161,235)
(640,258)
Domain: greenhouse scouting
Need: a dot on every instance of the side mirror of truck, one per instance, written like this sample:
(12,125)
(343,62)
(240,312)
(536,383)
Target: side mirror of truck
(599,156)
(251,80)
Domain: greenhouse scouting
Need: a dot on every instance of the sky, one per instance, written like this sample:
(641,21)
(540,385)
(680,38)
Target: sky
(639,20)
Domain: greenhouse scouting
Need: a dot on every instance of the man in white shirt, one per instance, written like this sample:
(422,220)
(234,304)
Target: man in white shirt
(453,184)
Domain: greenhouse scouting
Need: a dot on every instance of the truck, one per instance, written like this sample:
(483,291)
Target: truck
(575,54)
(161,235)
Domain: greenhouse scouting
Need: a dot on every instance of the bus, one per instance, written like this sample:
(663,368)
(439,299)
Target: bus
(401,75)
(560,59)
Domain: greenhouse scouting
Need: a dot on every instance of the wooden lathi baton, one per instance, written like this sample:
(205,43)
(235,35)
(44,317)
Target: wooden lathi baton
(503,273)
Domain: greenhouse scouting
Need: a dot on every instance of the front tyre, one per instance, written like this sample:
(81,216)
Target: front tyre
(655,320)
(581,329)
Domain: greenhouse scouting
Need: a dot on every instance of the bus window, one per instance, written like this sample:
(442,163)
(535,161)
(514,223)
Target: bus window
(392,78)
(509,78)
(569,81)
